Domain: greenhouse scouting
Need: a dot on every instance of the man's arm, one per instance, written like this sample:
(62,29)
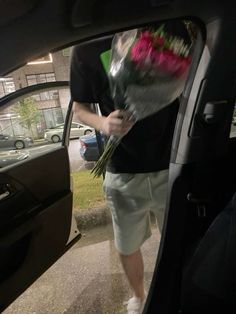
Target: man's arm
(117,123)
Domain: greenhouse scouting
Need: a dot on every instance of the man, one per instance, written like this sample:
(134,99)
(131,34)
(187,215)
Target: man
(137,174)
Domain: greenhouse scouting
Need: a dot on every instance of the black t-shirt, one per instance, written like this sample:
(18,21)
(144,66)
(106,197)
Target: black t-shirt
(147,146)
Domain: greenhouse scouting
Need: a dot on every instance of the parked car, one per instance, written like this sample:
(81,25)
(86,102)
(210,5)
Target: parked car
(77,129)
(10,157)
(17,142)
(89,147)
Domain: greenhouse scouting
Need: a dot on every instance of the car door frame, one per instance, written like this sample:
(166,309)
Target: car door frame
(30,228)
(194,178)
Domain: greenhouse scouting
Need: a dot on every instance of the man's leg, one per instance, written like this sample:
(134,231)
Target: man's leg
(134,270)
(128,198)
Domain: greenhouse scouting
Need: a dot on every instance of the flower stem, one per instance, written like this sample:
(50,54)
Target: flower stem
(100,165)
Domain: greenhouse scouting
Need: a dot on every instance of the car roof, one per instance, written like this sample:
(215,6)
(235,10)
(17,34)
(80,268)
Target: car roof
(66,22)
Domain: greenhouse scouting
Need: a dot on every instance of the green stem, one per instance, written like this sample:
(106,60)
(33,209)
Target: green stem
(100,165)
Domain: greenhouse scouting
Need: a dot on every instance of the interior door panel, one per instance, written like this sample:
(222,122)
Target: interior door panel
(35,217)
(56,178)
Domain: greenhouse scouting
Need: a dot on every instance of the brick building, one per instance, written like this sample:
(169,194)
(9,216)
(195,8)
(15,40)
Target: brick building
(51,104)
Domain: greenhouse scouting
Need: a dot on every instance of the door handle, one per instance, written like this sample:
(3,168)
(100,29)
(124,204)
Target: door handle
(6,189)
(4,195)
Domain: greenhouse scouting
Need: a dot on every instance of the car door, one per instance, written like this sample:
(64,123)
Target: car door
(195,271)
(5,141)
(36,221)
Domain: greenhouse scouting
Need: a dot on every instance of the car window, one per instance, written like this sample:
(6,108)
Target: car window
(36,122)
(75,125)
(28,126)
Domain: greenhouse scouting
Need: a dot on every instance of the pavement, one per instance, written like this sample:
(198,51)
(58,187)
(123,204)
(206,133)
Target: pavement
(87,279)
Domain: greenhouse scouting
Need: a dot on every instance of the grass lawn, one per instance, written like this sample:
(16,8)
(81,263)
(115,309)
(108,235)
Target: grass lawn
(88,192)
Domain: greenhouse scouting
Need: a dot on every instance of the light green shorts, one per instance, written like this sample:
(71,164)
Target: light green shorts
(130,198)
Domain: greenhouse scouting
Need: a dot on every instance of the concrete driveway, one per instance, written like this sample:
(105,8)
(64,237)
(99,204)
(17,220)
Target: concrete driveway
(87,279)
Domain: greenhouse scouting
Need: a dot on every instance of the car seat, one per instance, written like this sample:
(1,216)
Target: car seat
(209,280)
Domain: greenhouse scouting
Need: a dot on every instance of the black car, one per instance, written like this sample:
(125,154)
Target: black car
(196,265)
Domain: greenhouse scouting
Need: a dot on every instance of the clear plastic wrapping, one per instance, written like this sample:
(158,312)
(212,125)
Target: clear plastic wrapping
(147,70)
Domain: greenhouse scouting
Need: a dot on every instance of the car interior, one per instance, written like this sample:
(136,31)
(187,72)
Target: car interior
(195,270)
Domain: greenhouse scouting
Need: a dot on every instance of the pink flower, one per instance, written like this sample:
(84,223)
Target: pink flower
(140,50)
(148,52)
(167,62)
(146,35)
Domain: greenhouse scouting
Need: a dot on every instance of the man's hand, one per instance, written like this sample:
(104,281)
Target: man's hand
(118,123)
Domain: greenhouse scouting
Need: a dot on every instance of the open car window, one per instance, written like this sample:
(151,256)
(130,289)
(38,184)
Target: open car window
(51,126)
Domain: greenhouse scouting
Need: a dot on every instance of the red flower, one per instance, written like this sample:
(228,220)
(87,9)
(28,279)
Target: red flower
(166,62)
(147,35)
(183,66)
(145,54)
(140,50)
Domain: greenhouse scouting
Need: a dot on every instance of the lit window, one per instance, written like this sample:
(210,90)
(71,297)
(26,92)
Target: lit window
(33,79)
(7,86)
(46,59)
(66,52)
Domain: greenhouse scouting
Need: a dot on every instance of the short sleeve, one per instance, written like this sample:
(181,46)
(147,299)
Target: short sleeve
(81,78)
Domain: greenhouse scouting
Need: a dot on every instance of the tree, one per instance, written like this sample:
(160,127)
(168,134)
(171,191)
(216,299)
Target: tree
(28,113)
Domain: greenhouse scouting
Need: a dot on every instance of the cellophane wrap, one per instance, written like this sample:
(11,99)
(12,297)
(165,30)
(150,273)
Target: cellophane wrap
(144,74)
(147,71)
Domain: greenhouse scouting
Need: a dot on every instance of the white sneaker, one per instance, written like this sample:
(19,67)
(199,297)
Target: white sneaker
(135,305)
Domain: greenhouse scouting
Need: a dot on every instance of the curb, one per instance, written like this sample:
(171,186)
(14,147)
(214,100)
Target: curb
(96,217)
(92,218)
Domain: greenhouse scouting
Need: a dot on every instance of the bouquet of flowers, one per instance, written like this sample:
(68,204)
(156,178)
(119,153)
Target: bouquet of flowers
(147,71)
